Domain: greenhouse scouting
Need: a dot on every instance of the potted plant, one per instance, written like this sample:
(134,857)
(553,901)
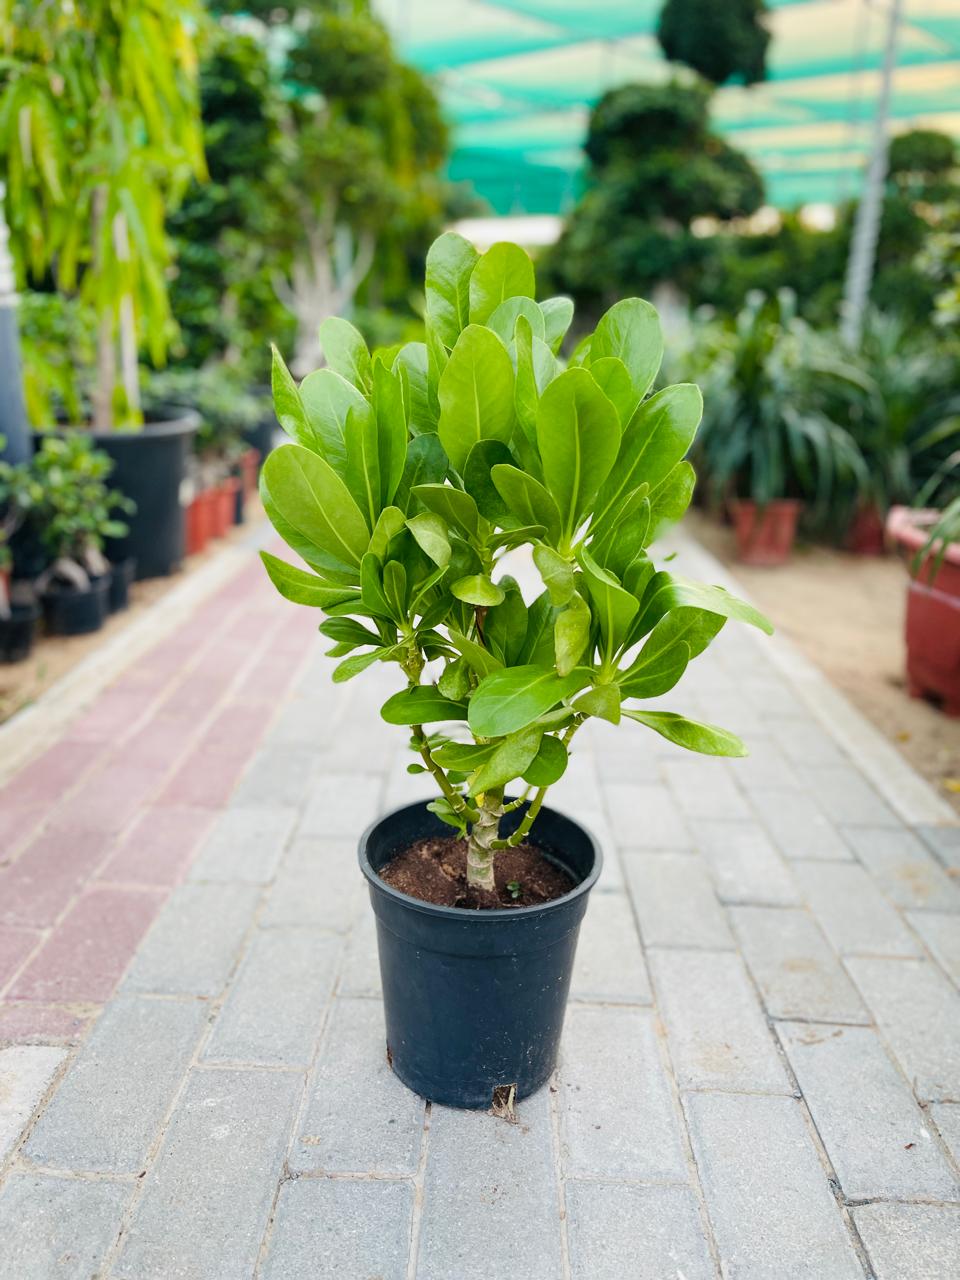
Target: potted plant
(18,606)
(72,509)
(769,445)
(410,477)
(931,540)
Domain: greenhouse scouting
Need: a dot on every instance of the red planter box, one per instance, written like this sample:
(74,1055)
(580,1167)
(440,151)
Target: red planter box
(765,535)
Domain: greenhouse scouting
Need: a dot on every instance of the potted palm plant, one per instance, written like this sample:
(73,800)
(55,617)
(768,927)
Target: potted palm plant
(769,445)
(410,476)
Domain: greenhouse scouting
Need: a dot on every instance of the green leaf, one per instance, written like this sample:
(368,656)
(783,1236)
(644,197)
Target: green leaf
(349,631)
(454,682)
(314,501)
(527,499)
(657,675)
(557,315)
(515,754)
(538,643)
(666,593)
(611,376)
(352,666)
(446,813)
(463,756)
(571,633)
(478,481)
(330,401)
(391,430)
(479,659)
(426,463)
(412,366)
(346,352)
(361,469)
(431,535)
(670,499)
(389,523)
(395,588)
(688,625)
(578,434)
(476,394)
(422,704)
(511,699)
(630,330)
(302,587)
(504,271)
(659,434)
(556,572)
(505,625)
(450,262)
(708,739)
(602,701)
(371,589)
(288,406)
(548,765)
(614,606)
(477,589)
(503,321)
(452,505)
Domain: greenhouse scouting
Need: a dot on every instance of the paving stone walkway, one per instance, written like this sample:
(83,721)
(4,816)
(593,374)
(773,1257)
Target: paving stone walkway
(761,1061)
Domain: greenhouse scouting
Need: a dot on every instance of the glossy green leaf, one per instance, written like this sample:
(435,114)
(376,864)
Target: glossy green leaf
(571,633)
(611,376)
(515,754)
(454,506)
(346,352)
(450,263)
(313,499)
(657,675)
(659,434)
(503,321)
(302,587)
(349,631)
(613,605)
(288,405)
(670,499)
(578,434)
(478,480)
(361,469)
(426,463)
(514,698)
(391,430)
(548,765)
(557,316)
(454,681)
(463,756)
(631,332)
(504,271)
(412,367)
(329,401)
(688,625)
(422,704)
(479,659)
(389,523)
(505,625)
(708,739)
(352,666)
(395,588)
(667,593)
(371,589)
(476,394)
(528,500)
(477,589)
(602,701)
(556,571)
(430,533)
(538,645)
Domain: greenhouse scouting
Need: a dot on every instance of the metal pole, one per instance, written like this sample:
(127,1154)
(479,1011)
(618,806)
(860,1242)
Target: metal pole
(18,445)
(863,247)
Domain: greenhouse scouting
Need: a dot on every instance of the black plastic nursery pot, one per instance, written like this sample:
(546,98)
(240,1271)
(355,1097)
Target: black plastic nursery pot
(474,1000)
(17,632)
(76,611)
(123,575)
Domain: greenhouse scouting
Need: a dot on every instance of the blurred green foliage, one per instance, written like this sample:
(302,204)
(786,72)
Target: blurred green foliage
(721,41)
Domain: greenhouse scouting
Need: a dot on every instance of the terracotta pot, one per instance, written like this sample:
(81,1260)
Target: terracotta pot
(865,535)
(933,612)
(196,533)
(250,470)
(226,505)
(765,535)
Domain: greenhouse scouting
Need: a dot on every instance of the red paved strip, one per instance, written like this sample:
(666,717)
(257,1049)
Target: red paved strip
(15,946)
(26,1023)
(107,801)
(40,884)
(159,847)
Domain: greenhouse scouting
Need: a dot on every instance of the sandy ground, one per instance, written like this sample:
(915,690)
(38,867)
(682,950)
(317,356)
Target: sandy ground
(21,683)
(846,613)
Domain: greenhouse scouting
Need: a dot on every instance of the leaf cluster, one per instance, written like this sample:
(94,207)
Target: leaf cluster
(412,472)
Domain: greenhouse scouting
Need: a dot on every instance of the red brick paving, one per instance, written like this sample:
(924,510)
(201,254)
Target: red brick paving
(158,847)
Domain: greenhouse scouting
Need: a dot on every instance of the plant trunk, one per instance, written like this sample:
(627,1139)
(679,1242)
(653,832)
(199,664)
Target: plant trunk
(106,348)
(480,853)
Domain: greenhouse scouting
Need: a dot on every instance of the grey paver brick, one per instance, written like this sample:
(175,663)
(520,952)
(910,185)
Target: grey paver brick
(60,1227)
(744,863)
(646,1233)
(26,1072)
(798,826)
(852,911)
(275,1008)
(803,741)
(675,901)
(195,941)
(866,1115)
(946,1116)
(645,816)
(945,842)
(473,1206)
(319,884)
(729,709)
(771,696)
(769,1202)
(341,804)
(245,845)
(618,1113)
(941,932)
(359,1118)
(334,1229)
(610,964)
(703,790)
(919,1014)
(794,966)
(279,775)
(905,871)
(716,1030)
(845,795)
(910,1241)
(207,1199)
(766,766)
(108,1110)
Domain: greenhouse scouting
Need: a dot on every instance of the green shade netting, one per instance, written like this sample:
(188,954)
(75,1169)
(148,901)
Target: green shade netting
(518,78)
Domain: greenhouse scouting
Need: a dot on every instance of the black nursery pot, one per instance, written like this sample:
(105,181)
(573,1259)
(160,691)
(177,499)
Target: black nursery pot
(76,611)
(474,1000)
(123,574)
(17,632)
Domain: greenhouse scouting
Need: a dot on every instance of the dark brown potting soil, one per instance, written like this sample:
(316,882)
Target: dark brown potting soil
(435,870)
